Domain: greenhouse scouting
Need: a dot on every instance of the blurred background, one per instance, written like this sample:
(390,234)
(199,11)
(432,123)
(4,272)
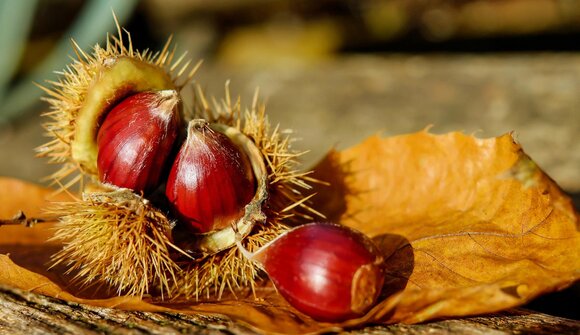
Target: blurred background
(335,71)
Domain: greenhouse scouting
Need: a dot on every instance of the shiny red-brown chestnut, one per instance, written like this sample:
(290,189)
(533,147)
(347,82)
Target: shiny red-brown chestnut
(136,139)
(330,272)
(210,181)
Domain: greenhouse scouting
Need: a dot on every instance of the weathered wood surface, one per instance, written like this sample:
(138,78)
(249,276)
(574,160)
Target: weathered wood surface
(29,313)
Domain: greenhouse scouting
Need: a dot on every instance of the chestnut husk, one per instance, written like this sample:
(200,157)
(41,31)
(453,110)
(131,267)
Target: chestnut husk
(92,85)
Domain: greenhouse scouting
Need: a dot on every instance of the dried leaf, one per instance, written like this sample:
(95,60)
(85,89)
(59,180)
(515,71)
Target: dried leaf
(468,226)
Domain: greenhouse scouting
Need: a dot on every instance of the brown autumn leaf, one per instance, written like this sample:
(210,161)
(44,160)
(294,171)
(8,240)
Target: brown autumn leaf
(468,226)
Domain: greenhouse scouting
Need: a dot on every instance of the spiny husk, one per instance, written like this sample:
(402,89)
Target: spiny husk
(121,239)
(104,217)
(228,270)
(117,238)
(67,95)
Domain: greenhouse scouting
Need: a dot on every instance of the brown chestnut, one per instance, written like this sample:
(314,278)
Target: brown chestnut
(330,272)
(136,139)
(211,180)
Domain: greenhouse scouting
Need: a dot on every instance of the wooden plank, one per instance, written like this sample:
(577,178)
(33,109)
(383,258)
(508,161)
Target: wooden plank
(30,313)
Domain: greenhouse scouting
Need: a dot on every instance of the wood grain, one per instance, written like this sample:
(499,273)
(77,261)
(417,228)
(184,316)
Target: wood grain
(31,314)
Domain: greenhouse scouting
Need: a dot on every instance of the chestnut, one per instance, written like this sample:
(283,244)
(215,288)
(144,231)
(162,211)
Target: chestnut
(327,271)
(136,139)
(211,180)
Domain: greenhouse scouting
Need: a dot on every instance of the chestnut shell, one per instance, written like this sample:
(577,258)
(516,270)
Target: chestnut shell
(201,244)
(136,140)
(327,271)
(210,181)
